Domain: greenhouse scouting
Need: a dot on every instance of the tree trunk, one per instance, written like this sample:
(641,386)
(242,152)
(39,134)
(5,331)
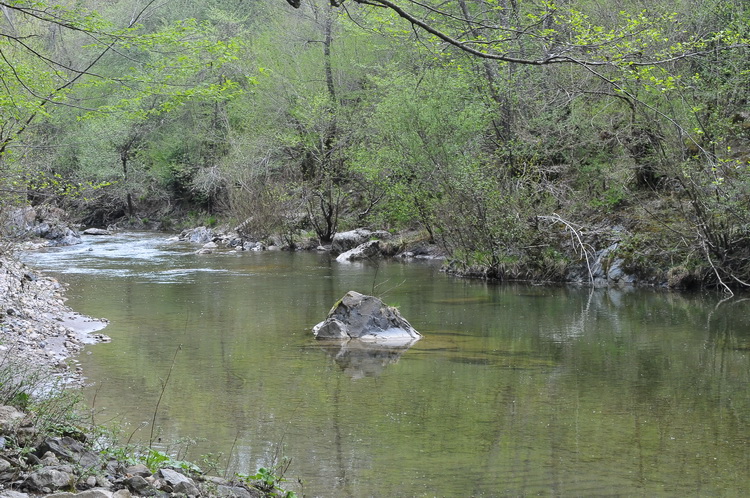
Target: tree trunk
(129,197)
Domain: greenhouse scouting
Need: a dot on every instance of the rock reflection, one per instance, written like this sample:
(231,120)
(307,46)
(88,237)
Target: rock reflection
(359,359)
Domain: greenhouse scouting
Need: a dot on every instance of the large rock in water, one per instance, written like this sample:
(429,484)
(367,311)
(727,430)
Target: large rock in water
(357,316)
(96,231)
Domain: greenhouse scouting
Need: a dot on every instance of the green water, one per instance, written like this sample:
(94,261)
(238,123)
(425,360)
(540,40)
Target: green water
(514,389)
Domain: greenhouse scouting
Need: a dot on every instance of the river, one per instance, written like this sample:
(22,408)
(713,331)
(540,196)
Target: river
(514,390)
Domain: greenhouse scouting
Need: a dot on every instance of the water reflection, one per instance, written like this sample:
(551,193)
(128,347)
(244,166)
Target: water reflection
(513,390)
(359,359)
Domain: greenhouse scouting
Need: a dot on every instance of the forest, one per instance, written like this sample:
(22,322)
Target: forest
(521,137)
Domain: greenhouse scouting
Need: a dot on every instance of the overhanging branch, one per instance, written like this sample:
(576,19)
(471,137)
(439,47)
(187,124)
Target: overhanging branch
(560,55)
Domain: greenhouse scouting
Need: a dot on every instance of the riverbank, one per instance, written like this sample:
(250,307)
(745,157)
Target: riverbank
(36,326)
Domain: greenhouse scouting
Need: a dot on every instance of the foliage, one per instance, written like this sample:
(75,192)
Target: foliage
(469,120)
(155,459)
(132,77)
(268,480)
(53,411)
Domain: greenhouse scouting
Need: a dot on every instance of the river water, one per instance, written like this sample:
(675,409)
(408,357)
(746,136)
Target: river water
(514,389)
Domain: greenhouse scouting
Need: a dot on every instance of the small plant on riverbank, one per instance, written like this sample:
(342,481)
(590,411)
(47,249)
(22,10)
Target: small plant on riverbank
(268,480)
(155,459)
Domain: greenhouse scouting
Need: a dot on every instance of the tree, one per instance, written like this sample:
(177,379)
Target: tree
(128,74)
(547,32)
(292,164)
(645,67)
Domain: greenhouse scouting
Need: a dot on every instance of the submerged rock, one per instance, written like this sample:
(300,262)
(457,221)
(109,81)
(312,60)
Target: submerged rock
(367,318)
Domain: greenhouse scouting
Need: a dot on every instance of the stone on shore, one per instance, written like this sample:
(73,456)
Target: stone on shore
(49,478)
(343,241)
(368,250)
(198,235)
(35,323)
(10,418)
(45,222)
(9,493)
(70,450)
(96,231)
(367,318)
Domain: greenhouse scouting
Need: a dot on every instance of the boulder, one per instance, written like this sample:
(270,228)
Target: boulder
(137,470)
(139,486)
(605,269)
(343,241)
(368,250)
(10,418)
(57,233)
(70,450)
(225,491)
(44,222)
(48,478)
(253,246)
(8,493)
(186,489)
(173,478)
(91,493)
(199,235)
(22,219)
(367,318)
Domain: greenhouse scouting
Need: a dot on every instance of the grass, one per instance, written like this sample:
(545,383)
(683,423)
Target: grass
(49,406)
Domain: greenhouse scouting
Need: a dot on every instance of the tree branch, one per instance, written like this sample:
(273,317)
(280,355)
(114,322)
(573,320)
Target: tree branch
(557,56)
(79,73)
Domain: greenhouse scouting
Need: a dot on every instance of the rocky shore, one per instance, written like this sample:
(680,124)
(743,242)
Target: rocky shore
(67,467)
(350,246)
(36,327)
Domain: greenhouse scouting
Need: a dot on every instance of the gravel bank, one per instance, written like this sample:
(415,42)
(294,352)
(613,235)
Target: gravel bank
(36,327)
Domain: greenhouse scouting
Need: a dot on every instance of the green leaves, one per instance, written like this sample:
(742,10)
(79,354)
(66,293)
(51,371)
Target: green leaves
(181,62)
(268,480)
(130,71)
